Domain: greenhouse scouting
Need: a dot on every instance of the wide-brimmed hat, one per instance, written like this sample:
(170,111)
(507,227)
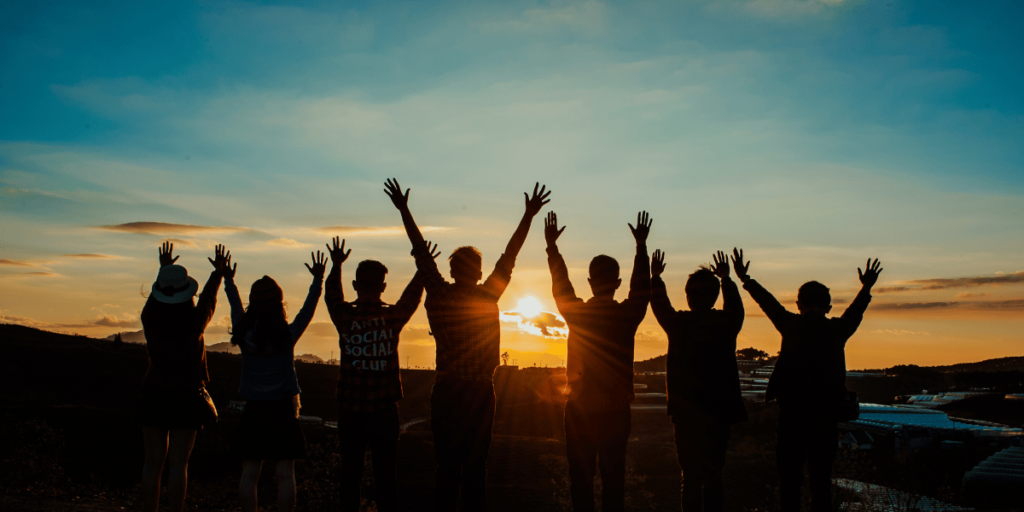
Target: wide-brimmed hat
(265,291)
(173,285)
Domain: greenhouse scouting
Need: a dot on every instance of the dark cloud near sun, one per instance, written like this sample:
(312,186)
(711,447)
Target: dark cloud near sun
(167,228)
(954,282)
(544,321)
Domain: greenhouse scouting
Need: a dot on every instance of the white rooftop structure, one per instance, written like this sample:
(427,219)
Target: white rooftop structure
(896,417)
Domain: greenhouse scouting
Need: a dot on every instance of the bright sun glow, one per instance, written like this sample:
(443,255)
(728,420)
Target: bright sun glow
(528,307)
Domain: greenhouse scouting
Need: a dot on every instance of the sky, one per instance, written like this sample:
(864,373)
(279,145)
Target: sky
(812,133)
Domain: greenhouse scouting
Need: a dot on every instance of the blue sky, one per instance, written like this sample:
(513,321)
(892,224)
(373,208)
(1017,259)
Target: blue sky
(812,133)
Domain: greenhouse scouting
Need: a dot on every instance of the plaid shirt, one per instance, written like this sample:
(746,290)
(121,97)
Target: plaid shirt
(369,378)
(464,319)
(602,335)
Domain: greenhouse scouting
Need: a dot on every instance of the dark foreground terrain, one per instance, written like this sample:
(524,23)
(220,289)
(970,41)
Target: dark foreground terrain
(68,440)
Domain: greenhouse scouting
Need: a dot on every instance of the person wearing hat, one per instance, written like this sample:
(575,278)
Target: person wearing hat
(174,403)
(269,428)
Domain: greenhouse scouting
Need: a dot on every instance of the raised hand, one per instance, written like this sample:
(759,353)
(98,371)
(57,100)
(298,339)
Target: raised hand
(737,262)
(166,254)
(657,263)
(222,262)
(319,264)
(870,274)
(642,229)
(720,265)
(432,251)
(394,191)
(539,199)
(338,253)
(551,231)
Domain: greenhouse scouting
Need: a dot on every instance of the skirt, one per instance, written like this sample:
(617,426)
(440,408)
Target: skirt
(269,430)
(171,409)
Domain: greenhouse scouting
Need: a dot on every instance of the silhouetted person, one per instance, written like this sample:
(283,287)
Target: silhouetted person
(704,397)
(269,428)
(173,391)
(464,321)
(369,383)
(809,380)
(600,366)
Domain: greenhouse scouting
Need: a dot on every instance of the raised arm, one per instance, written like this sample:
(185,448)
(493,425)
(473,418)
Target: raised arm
(533,205)
(305,315)
(732,303)
(207,302)
(426,266)
(334,294)
(775,311)
(410,299)
(640,281)
(660,303)
(223,264)
(854,313)
(401,201)
(502,273)
(561,287)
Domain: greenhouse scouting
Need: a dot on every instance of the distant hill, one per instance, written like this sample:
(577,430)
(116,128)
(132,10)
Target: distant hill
(130,337)
(310,358)
(224,346)
(1002,364)
(654,364)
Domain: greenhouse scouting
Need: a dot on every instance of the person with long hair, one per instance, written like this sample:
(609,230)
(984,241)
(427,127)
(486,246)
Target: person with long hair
(174,401)
(269,428)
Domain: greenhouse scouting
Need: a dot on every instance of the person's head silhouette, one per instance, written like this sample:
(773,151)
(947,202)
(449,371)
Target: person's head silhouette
(702,289)
(604,276)
(369,282)
(466,265)
(814,299)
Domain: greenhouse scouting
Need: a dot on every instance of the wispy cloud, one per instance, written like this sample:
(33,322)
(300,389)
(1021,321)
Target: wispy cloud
(374,230)
(92,256)
(128,320)
(166,228)
(954,282)
(994,305)
(288,242)
(900,332)
(15,263)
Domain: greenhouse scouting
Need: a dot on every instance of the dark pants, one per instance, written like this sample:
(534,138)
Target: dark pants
(377,430)
(806,438)
(700,447)
(461,416)
(597,439)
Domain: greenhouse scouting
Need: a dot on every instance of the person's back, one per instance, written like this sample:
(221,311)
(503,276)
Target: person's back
(808,382)
(701,375)
(601,342)
(369,382)
(269,429)
(704,397)
(599,366)
(174,402)
(464,320)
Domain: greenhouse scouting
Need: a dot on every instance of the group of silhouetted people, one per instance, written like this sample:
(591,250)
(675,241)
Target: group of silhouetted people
(703,386)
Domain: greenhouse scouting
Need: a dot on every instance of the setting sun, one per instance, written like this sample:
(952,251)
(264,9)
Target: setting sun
(528,307)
